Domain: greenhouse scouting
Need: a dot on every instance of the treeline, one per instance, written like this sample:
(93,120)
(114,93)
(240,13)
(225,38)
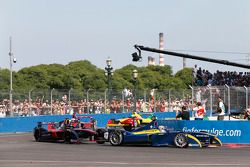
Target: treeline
(82,75)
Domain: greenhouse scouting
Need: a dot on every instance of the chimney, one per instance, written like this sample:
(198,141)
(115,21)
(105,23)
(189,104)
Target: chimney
(161,46)
(151,61)
(184,62)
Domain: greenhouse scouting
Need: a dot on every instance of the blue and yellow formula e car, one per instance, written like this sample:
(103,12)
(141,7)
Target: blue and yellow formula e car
(159,136)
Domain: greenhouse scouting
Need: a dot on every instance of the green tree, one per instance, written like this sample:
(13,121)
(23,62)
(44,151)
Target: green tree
(185,75)
(4,79)
(82,75)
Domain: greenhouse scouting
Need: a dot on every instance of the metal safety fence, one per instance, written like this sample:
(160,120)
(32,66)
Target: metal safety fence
(59,102)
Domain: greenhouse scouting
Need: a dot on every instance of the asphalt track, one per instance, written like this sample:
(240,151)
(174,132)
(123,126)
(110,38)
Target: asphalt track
(20,150)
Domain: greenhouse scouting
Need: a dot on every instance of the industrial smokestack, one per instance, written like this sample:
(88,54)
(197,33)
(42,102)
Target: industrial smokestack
(151,61)
(161,46)
(184,62)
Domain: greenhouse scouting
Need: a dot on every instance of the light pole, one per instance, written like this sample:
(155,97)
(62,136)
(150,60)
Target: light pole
(12,59)
(109,74)
(135,76)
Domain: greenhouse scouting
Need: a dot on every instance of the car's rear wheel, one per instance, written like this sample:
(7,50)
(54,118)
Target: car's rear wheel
(67,136)
(37,136)
(116,138)
(99,136)
(181,140)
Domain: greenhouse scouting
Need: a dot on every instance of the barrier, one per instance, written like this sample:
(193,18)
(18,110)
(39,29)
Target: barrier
(237,132)
(26,124)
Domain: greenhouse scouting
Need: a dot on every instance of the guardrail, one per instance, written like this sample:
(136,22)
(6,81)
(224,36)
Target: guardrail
(237,132)
(26,124)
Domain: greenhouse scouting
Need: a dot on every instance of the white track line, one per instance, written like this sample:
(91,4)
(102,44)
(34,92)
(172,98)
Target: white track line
(121,163)
(10,135)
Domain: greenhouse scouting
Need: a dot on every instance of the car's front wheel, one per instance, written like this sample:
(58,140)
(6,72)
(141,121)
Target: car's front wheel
(181,140)
(116,138)
(214,141)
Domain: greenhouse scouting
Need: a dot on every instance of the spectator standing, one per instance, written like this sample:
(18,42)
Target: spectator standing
(138,105)
(162,106)
(184,114)
(199,111)
(247,114)
(220,109)
(144,106)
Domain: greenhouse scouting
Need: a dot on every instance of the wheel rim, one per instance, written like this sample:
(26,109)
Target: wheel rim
(116,138)
(181,140)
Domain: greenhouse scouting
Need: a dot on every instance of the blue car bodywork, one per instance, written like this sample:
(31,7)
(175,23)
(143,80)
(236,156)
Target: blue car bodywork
(160,136)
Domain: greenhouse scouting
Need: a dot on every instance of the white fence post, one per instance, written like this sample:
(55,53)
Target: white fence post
(192,94)
(228,99)
(246,96)
(51,100)
(123,100)
(192,98)
(30,102)
(145,95)
(211,100)
(69,98)
(169,100)
(105,100)
(88,100)
(155,100)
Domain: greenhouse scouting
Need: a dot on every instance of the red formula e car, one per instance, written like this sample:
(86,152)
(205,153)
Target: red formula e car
(135,120)
(68,131)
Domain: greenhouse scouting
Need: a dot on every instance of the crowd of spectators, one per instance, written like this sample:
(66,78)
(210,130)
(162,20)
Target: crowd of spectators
(61,107)
(203,77)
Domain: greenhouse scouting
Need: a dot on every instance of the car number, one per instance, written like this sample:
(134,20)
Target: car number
(106,135)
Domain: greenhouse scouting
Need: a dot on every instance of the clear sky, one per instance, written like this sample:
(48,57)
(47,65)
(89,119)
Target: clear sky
(61,31)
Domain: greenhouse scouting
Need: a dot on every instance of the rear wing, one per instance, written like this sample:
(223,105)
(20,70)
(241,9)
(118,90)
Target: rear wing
(48,125)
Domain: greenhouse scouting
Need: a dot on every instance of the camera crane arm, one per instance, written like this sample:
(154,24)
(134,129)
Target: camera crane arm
(137,57)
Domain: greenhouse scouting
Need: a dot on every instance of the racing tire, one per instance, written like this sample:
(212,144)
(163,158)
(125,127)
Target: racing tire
(116,138)
(128,128)
(67,136)
(100,142)
(215,142)
(181,140)
(37,136)
(99,136)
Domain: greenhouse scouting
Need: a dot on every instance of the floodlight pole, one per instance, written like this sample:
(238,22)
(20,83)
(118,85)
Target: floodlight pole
(11,88)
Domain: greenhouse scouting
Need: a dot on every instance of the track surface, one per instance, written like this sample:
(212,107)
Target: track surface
(21,150)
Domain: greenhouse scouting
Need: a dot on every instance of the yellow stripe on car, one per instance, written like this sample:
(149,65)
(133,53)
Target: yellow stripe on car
(146,120)
(117,124)
(218,140)
(151,131)
(195,139)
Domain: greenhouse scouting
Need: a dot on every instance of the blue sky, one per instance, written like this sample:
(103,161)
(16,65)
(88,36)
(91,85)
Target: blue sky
(61,31)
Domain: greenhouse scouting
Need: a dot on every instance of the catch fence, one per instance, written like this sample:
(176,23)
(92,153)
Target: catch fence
(100,101)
